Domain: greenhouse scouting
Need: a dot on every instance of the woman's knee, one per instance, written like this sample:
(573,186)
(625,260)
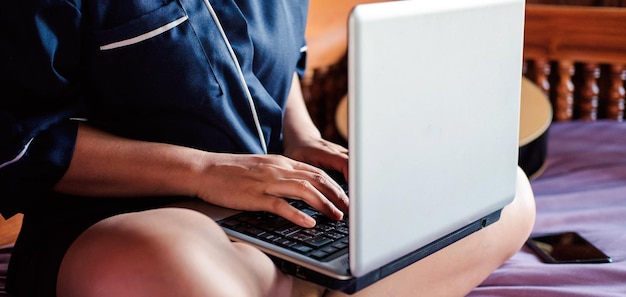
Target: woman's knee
(164,252)
(519,216)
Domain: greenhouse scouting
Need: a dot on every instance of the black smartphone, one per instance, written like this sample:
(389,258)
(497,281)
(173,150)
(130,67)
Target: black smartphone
(566,247)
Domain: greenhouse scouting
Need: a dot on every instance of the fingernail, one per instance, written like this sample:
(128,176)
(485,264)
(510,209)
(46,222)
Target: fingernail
(338,213)
(309,221)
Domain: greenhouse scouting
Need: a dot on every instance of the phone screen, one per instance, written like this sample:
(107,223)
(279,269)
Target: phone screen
(567,247)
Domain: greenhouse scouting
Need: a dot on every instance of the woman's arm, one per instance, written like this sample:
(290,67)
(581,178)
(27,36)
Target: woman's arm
(108,165)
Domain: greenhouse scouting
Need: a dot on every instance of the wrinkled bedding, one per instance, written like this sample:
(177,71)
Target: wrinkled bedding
(583,189)
(5,255)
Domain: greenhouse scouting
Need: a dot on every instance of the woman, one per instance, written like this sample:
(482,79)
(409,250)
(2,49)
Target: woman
(122,108)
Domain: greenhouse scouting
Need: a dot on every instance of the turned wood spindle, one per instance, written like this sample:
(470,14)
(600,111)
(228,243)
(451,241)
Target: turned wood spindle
(615,108)
(589,92)
(564,92)
(541,74)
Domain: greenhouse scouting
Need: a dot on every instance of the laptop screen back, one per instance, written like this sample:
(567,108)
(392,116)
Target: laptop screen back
(434,90)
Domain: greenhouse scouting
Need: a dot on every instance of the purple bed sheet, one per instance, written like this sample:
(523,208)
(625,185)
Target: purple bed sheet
(583,189)
(5,255)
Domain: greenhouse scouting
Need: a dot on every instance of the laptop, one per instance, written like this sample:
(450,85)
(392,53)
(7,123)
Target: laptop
(434,91)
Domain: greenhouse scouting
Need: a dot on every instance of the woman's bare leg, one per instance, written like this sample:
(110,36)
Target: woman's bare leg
(460,267)
(165,252)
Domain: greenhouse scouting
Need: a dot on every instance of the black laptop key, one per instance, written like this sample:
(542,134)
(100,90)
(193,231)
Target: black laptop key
(288,229)
(319,241)
(330,249)
(340,245)
(343,229)
(320,255)
(311,212)
(272,222)
(231,224)
(286,242)
(324,227)
(269,237)
(335,235)
(301,248)
(300,236)
(251,230)
(314,231)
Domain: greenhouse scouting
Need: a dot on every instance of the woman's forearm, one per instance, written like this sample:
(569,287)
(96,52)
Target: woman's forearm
(297,124)
(108,165)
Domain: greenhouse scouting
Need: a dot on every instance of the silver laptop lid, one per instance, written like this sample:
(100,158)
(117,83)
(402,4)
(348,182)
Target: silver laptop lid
(434,90)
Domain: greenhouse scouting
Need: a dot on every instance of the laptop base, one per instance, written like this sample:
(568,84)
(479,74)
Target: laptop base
(353,285)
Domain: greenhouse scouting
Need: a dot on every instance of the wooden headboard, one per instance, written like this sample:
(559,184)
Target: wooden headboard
(9,229)
(577,55)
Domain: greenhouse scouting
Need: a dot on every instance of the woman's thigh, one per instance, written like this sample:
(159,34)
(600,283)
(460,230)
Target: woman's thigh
(165,252)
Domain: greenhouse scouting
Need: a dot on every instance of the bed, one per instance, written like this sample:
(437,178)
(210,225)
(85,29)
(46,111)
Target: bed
(583,189)
(581,185)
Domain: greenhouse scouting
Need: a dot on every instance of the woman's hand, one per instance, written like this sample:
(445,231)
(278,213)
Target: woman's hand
(302,140)
(320,153)
(262,182)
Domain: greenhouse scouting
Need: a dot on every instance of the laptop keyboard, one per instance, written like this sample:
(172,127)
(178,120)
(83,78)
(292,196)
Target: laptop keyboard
(324,242)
